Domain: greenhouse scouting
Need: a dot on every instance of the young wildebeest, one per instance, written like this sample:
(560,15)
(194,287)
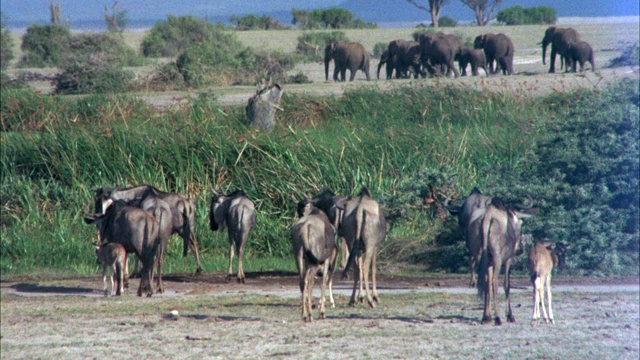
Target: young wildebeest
(363,226)
(501,241)
(543,257)
(112,256)
(333,206)
(470,216)
(136,230)
(235,212)
(313,241)
(182,212)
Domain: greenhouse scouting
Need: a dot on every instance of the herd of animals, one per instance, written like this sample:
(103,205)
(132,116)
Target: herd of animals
(435,54)
(141,219)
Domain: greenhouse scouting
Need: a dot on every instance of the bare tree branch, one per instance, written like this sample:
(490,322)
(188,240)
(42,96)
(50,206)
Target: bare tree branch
(483,9)
(435,7)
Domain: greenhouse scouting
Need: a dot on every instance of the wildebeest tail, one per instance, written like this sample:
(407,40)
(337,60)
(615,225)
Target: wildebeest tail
(361,216)
(186,226)
(483,266)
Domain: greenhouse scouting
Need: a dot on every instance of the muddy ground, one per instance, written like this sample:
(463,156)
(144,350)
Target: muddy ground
(430,317)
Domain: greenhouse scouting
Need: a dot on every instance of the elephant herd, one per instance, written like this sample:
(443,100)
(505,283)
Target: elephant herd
(436,55)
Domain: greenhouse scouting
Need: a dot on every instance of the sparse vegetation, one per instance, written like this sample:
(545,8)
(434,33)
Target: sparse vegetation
(517,15)
(178,33)
(630,57)
(6,47)
(311,45)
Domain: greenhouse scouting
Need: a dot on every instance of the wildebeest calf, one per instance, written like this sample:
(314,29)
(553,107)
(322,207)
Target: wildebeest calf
(112,256)
(543,257)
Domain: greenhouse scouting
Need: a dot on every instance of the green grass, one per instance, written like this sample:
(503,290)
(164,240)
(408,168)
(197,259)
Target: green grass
(397,143)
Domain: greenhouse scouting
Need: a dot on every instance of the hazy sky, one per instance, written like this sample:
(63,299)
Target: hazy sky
(369,10)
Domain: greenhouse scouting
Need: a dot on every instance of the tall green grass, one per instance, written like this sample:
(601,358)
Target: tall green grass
(381,140)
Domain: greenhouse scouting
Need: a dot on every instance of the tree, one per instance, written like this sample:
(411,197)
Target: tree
(483,9)
(54,10)
(517,15)
(300,18)
(118,21)
(337,18)
(435,6)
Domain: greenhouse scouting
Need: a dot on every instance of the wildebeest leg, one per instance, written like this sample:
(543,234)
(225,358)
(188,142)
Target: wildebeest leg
(231,253)
(308,292)
(374,286)
(119,273)
(159,263)
(366,265)
(536,300)
(136,268)
(494,293)
(344,253)
(125,271)
(548,285)
(486,316)
(193,245)
(323,286)
(361,280)
(507,290)
(472,265)
(240,270)
(356,280)
(331,268)
(104,280)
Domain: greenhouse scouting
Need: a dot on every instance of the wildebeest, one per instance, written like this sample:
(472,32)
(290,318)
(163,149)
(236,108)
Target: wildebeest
(501,241)
(112,256)
(314,247)
(136,230)
(333,206)
(363,226)
(237,214)
(543,257)
(182,211)
(470,216)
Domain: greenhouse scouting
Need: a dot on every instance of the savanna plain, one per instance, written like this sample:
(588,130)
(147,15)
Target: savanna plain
(420,314)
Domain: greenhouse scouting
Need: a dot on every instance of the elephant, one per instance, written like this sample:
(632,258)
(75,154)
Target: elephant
(401,55)
(498,47)
(579,52)
(559,38)
(346,55)
(439,50)
(475,57)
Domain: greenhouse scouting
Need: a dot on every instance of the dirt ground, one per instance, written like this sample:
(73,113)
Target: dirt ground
(417,317)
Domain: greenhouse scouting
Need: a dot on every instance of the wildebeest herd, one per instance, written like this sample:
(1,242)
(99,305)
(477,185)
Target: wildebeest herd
(141,219)
(436,54)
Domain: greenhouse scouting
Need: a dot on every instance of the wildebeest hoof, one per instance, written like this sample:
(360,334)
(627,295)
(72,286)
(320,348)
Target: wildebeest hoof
(498,321)
(198,272)
(240,280)
(372,304)
(228,278)
(511,319)
(485,320)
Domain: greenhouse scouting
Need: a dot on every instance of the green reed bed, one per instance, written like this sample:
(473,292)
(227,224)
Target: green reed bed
(56,150)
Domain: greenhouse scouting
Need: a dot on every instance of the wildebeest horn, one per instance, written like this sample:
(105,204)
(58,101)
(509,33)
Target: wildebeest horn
(524,207)
(214,191)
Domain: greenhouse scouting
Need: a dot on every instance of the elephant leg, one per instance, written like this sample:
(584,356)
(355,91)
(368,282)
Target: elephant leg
(343,74)
(335,73)
(353,74)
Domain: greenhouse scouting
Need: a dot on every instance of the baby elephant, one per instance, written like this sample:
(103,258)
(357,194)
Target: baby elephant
(475,57)
(579,53)
(114,256)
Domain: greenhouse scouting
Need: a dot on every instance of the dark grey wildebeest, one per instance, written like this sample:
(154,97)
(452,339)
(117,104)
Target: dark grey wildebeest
(136,230)
(333,206)
(363,226)
(470,215)
(182,211)
(236,213)
(501,242)
(314,247)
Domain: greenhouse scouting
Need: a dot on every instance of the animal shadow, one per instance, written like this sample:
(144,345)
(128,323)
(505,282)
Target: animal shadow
(36,288)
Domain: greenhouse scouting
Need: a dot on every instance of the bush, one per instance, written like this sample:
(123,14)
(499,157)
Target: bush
(517,15)
(311,45)
(6,47)
(173,37)
(45,45)
(446,21)
(253,22)
(379,48)
(110,46)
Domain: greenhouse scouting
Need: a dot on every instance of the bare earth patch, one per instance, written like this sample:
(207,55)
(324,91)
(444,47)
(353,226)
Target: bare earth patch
(416,318)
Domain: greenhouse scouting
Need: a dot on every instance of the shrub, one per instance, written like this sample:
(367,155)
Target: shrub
(97,75)
(311,45)
(253,22)
(6,47)
(517,15)
(379,48)
(111,46)
(446,21)
(45,45)
(174,36)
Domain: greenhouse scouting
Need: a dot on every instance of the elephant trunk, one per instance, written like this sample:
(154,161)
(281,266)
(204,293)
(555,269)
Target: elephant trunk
(326,69)
(544,51)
